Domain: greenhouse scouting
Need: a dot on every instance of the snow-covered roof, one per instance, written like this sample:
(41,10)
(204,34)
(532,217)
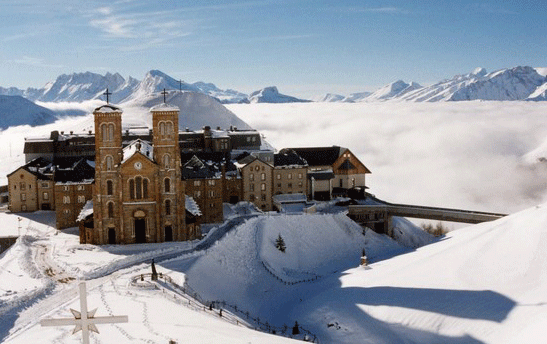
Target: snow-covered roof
(164,107)
(107,108)
(86,211)
(219,134)
(192,206)
(138,145)
(290,198)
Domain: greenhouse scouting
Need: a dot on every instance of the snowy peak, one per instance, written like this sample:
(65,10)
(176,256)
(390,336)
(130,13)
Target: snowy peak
(271,95)
(518,83)
(78,87)
(329,98)
(393,90)
(507,84)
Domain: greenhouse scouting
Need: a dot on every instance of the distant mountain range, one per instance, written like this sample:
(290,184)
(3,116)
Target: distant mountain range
(518,83)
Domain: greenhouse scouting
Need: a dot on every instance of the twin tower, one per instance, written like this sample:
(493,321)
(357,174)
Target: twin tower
(139,194)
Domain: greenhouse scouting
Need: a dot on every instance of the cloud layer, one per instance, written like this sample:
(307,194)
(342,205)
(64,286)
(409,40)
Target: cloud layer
(465,155)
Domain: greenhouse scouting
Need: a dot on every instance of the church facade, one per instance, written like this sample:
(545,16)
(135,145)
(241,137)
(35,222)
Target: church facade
(139,196)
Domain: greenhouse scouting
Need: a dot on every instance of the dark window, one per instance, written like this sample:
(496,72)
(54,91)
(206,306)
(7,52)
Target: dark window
(132,189)
(145,188)
(167,182)
(109,187)
(138,187)
(111,210)
(167,207)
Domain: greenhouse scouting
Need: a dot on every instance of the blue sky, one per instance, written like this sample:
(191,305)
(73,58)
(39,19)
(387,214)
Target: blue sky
(305,47)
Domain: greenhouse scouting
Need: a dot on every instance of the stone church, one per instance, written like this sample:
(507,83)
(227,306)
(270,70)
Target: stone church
(139,194)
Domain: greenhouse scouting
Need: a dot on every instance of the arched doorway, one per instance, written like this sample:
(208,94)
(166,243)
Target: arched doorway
(140,230)
(111,235)
(168,233)
(140,226)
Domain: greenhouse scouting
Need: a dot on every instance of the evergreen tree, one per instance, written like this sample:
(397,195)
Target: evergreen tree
(280,243)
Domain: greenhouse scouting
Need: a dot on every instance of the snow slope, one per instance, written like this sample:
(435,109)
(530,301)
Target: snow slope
(196,111)
(482,284)
(16,110)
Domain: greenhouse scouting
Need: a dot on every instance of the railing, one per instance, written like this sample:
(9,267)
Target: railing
(185,295)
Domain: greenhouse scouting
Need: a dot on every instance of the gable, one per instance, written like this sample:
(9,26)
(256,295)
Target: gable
(138,164)
(348,163)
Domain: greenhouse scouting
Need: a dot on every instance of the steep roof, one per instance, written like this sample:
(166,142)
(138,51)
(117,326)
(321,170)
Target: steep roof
(289,157)
(78,171)
(38,167)
(140,146)
(195,168)
(191,206)
(318,156)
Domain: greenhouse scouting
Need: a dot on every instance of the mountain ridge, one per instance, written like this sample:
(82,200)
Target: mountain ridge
(517,83)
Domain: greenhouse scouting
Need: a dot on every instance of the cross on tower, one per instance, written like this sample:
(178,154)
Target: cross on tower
(84,321)
(107,95)
(164,94)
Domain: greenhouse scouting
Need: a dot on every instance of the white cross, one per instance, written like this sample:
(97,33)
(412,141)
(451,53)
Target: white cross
(84,320)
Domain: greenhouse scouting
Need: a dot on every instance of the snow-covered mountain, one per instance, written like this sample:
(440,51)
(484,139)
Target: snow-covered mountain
(356,97)
(393,90)
(539,94)
(16,110)
(328,98)
(196,111)
(78,87)
(518,83)
(272,95)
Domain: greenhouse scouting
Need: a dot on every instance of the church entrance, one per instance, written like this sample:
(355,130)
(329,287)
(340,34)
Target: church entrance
(140,231)
(168,233)
(111,236)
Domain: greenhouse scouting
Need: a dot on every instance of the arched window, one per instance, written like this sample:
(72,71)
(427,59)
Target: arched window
(138,187)
(132,188)
(167,207)
(110,132)
(111,210)
(109,188)
(162,128)
(109,163)
(166,160)
(145,188)
(167,184)
(168,128)
(104,132)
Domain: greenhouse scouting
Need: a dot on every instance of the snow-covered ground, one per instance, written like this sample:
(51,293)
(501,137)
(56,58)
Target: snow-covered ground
(480,284)
(40,272)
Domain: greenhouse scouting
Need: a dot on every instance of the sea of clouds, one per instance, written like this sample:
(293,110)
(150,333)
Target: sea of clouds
(471,155)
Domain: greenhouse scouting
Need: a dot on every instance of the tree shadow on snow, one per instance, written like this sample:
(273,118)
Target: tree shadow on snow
(467,304)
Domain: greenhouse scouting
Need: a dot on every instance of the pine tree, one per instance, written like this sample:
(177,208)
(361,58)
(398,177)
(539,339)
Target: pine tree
(280,243)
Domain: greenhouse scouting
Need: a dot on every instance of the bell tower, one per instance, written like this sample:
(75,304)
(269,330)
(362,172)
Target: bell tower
(170,198)
(107,191)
